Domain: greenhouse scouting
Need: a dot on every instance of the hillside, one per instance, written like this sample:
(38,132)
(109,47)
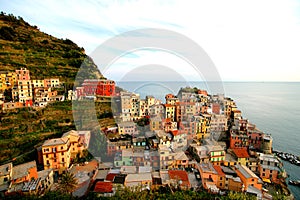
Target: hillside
(24,45)
(22,129)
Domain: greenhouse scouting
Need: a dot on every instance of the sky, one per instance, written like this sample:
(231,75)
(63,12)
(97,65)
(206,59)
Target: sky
(255,40)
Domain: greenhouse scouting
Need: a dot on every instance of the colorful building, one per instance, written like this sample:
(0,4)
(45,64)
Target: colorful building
(241,155)
(24,172)
(248,178)
(128,128)
(7,80)
(270,168)
(23,74)
(143,180)
(170,111)
(57,154)
(24,91)
(99,87)
(38,83)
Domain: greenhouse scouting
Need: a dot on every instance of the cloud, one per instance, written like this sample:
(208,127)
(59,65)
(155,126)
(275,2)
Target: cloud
(247,40)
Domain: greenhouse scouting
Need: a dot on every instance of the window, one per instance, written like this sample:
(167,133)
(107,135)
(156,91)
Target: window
(62,160)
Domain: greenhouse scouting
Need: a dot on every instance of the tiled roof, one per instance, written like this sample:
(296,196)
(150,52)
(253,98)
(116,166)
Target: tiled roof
(241,153)
(219,170)
(139,177)
(206,167)
(22,170)
(55,141)
(175,132)
(181,156)
(245,171)
(181,175)
(72,132)
(110,176)
(44,174)
(103,187)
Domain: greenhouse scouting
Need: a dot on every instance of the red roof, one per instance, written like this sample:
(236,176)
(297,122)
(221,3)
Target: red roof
(167,120)
(237,111)
(110,177)
(219,170)
(103,187)
(175,132)
(181,175)
(241,153)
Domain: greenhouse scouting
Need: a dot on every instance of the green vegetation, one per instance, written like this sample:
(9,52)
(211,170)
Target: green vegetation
(23,45)
(68,183)
(160,193)
(23,129)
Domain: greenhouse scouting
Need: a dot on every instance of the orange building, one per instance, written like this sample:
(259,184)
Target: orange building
(203,92)
(228,179)
(221,177)
(248,178)
(24,172)
(57,153)
(209,176)
(238,140)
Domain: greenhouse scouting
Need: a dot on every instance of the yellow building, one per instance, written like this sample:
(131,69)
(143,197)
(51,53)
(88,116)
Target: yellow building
(24,90)
(169,111)
(202,126)
(38,83)
(155,123)
(75,146)
(54,82)
(57,154)
(7,80)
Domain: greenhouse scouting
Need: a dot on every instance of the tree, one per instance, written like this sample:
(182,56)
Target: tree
(68,183)
(8,95)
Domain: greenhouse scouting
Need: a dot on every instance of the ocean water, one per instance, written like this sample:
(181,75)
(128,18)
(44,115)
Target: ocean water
(273,106)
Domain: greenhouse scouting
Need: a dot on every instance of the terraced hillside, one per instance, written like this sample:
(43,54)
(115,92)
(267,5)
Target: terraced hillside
(23,45)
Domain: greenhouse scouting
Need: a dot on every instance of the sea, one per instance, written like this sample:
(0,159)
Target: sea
(273,106)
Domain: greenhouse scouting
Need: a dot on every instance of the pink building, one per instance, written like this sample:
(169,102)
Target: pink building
(23,74)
